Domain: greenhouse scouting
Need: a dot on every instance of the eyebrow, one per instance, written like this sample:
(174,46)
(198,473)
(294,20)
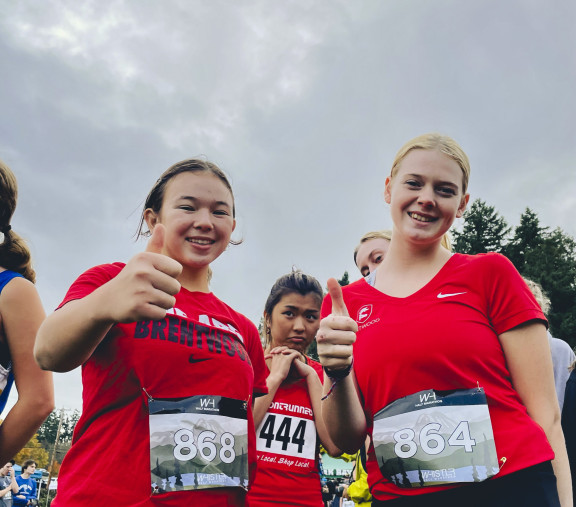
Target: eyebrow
(420,176)
(292,307)
(195,199)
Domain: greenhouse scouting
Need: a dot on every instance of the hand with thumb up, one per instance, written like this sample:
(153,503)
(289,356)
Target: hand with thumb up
(146,287)
(337,332)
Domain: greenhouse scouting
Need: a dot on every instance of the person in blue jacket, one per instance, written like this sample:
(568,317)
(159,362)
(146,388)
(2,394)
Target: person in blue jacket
(26,485)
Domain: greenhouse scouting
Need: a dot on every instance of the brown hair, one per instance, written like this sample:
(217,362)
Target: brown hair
(156,195)
(14,253)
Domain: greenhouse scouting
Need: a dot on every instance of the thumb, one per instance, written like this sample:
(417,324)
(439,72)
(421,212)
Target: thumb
(156,241)
(338,304)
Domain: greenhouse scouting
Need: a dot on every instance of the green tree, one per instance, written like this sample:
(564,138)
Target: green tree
(528,236)
(484,230)
(552,263)
(345,280)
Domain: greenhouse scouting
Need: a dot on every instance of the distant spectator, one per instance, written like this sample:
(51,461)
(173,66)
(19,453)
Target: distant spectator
(562,354)
(569,423)
(26,485)
(8,484)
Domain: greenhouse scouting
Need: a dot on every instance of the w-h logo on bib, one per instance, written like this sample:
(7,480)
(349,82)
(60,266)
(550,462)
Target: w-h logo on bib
(364,314)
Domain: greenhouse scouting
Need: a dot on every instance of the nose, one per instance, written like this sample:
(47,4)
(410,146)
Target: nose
(426,196)
(298,325)
(203,219)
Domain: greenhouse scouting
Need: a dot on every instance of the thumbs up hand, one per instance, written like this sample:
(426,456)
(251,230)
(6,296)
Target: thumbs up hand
(146,287)
(337,332)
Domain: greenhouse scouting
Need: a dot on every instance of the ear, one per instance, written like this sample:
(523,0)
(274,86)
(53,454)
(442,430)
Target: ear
(462,207)
(151,218)
(267,320)
(387,191)
(233,225)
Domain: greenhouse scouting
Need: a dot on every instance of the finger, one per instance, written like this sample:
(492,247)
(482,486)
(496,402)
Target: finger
(156,241)
(164,278)
(335,291)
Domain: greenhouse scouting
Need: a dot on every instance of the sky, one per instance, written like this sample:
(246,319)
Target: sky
(302,103)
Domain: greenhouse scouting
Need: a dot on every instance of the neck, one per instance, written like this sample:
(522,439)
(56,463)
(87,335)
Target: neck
(195,280)
(404,254)
(26,475)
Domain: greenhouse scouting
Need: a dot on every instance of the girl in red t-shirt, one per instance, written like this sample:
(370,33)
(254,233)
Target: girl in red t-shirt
(288,422)
(419,384)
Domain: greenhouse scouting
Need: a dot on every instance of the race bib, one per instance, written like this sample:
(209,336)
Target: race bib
(286,441)
(198,443)
(436,437)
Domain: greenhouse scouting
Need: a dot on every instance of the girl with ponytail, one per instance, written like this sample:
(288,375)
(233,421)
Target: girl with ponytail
(21,314)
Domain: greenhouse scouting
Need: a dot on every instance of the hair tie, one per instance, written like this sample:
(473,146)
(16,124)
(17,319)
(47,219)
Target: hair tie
(6,228)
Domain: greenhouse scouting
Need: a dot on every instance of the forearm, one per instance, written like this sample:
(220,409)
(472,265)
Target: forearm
(21,423)
(68,337)
(343,414)
(315,393)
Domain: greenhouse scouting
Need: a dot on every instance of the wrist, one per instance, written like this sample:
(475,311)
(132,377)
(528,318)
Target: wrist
(339,374)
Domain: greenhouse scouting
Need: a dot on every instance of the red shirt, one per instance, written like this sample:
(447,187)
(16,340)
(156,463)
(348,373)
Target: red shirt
(444,337)
(288,450)
(202,347)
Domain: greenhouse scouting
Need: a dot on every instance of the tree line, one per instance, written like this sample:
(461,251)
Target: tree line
(545,255)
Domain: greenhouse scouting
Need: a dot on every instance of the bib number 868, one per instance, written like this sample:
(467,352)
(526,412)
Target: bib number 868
(186,449)
(431,441)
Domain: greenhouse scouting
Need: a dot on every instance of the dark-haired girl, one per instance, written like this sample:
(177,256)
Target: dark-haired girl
(21,314)
(169,371)
(290,428)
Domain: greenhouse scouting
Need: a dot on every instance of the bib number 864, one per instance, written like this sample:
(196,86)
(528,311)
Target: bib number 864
(431,441)
(186,449)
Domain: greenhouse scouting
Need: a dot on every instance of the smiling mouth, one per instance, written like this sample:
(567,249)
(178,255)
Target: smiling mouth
(421,218)
(198,241)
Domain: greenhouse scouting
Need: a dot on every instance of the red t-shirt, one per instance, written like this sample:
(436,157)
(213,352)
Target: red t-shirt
(202,348)
(445,337)
(288,450)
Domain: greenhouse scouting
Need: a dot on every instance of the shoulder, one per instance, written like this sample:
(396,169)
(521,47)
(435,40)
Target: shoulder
(19,293)
(490,260)
(558,345)
(91,279)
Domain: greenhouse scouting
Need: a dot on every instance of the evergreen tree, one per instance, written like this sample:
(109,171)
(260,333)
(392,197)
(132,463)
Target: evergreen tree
(345,280)
(527,236)
(553,265)
(485,230)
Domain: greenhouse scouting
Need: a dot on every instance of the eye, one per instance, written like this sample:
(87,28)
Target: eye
(221,212)
(312,317)
(449,191)
(187,207)
(288,313)
(378,259)
(413,184)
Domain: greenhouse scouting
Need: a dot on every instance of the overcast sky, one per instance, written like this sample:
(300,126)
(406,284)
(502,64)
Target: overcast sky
(303,103)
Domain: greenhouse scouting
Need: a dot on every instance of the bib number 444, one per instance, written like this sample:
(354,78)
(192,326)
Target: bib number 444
(284,433)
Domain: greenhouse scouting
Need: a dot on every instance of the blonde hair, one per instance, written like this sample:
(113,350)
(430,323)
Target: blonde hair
(541,298)
(387,234)
(443,144)
(14,253)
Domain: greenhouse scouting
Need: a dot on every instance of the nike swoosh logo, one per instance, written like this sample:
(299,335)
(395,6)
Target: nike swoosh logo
(440,295)
(192,360)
